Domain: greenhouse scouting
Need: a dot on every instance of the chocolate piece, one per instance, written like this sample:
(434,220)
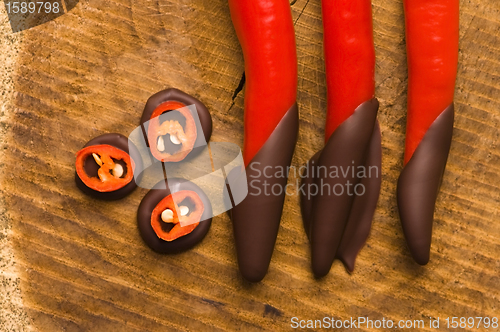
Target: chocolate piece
(256,219)
(173,94)
(118,141)
(325,216)
(419,183)
(149,202)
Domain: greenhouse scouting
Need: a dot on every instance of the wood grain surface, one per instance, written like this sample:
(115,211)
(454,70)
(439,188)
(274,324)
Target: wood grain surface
(73,263)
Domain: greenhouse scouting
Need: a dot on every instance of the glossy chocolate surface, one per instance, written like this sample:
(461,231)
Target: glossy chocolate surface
(363,207)
(118,141)
(149,202)
(419,182)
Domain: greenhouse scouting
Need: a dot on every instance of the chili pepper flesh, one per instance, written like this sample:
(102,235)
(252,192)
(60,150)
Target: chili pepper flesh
(183,222)
(110,176)
(185,136)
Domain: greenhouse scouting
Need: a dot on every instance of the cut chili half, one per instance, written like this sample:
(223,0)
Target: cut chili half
(111,174)
(181,208)
(171,132)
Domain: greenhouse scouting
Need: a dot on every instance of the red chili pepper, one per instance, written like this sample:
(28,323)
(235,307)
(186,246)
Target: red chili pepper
(432,50)
(333,219)
(111,175)
(168,211)
(266,34)
(349,58)
(265,31)
(432,33)
(184,136)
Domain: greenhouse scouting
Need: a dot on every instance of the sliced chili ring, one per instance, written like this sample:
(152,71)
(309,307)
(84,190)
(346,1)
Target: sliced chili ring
(109,178)
(170,210)
(163,102)
(159,133)
(152,200)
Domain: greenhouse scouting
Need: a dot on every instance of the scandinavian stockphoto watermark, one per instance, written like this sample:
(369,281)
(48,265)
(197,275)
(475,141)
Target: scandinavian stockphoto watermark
(218,169)
(333,180)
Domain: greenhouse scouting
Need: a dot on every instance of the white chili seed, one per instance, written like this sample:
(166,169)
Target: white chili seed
(160,145)
(184,210)
(174,139)
(167,215)
(97,159)
(118,171)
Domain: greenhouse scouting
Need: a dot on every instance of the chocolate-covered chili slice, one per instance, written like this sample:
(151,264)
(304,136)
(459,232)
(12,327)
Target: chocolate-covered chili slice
(174,220)
(105,167)
(173,131)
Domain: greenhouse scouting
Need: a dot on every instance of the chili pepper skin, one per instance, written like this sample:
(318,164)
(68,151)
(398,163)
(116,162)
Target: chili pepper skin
(333,220)
(349,58)
(169,106)
(265,31)
(432,34)
(98,181)
(266,34)
(179,238)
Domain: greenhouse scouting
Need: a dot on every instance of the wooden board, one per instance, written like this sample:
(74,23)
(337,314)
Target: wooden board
(72,263)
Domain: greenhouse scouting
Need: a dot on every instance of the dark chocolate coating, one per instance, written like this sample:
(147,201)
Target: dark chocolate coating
(149,202)
(363,207)
(419,183)
(118,141)
(256,219)
(173,94)
(329,214)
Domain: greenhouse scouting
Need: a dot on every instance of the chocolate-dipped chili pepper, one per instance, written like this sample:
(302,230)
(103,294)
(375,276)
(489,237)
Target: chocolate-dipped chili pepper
(105,167)
(338,221)
(265,31)
(174,216)
(173,133)
(432,33)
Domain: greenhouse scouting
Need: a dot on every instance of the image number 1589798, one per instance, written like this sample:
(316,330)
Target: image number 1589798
(33,7)
(26,14)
